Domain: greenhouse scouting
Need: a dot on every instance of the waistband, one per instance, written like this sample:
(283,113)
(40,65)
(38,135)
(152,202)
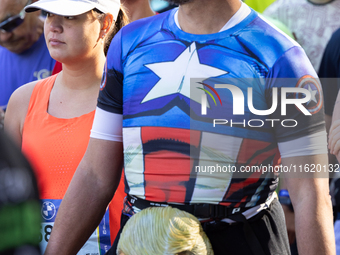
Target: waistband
(251,212)
(205,211)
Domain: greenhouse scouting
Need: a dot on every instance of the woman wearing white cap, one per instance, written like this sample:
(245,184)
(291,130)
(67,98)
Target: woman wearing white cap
(51,119)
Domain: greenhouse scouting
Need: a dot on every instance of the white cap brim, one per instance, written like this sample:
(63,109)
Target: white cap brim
(74,7)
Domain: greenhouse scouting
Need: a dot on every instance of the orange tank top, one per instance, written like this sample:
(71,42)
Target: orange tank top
(55,147)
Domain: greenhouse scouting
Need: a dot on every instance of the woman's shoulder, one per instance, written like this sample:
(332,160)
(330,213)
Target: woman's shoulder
(16,110)
(22,94)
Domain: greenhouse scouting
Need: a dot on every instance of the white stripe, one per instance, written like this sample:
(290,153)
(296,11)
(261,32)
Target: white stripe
(134,161)
(210,187)
(107,126)
(308,145)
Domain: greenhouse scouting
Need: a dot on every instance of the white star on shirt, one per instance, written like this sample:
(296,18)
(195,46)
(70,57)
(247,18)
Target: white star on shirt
(175,75)
(313,95)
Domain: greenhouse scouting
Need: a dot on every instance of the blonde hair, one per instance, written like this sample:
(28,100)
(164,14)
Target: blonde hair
(163,230)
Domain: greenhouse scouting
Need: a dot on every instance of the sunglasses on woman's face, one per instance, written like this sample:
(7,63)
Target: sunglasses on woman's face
(13,22)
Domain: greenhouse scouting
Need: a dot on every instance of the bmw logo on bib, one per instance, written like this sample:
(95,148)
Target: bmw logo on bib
(48,210)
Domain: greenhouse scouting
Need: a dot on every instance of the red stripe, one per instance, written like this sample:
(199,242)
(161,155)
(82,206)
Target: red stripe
(213,90)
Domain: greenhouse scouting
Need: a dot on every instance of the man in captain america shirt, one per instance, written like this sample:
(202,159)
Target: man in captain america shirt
(150,111)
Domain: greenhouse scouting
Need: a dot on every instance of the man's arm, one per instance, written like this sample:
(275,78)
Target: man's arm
(91,189)
(312,206)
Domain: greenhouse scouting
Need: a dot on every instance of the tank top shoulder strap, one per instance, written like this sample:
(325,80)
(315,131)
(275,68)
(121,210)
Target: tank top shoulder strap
(41,94)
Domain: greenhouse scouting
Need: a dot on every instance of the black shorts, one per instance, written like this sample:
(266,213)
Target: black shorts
(229,239)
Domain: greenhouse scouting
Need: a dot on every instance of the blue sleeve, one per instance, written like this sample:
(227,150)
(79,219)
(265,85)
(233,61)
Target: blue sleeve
(111,89)
(294,70)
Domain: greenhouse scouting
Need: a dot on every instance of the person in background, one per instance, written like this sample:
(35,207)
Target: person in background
(163,230)
(51,118)
(312,23)
(19,202)
(137,9)
(329,74)
(23,53)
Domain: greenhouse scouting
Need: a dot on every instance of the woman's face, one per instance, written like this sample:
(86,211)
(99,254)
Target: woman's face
(74,38)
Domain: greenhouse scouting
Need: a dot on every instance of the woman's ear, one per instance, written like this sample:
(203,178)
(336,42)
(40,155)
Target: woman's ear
(106,24)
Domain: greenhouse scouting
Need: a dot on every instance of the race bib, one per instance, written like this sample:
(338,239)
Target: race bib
(98,243)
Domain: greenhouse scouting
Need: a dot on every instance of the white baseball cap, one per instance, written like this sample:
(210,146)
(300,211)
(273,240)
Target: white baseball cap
(75,7)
